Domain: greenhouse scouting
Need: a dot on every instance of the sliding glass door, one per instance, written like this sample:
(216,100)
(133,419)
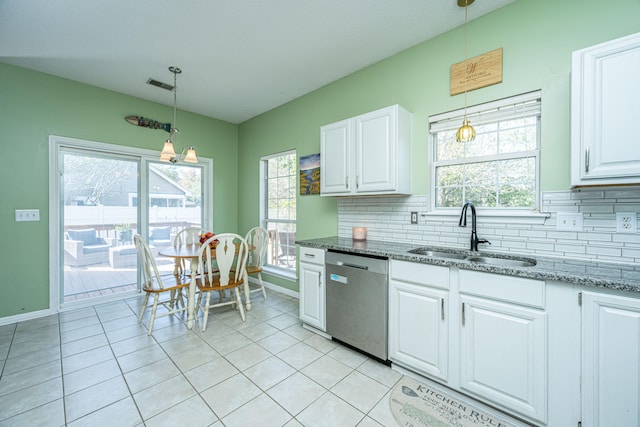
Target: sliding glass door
(99,220)
(95,210)
(175,202)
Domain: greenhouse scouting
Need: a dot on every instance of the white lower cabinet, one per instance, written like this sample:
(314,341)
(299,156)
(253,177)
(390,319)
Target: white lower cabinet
(503,342)
(493,348)
(503,355)
(610,360)
(418,318)
(312,287)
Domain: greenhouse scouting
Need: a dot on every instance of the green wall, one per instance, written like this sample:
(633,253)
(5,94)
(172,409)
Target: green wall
(35,105)
(537,37)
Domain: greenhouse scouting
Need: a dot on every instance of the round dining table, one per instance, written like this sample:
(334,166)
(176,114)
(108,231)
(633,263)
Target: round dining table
(191,252)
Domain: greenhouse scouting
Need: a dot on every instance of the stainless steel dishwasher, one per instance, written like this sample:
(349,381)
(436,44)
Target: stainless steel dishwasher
(357,301)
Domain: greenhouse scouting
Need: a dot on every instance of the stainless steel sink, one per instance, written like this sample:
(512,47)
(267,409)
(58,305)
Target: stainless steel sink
(436,254)
(502,262)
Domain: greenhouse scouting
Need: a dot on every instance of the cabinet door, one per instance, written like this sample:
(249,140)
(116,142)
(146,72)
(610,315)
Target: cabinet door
(503,355)
(336,158)
(418,328)
(610,360)
(603,108)
(312,295)
(376,151)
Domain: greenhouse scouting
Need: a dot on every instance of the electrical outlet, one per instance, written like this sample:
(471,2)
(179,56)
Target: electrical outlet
(568,221)
(414,217)
(27,215)
(626,222)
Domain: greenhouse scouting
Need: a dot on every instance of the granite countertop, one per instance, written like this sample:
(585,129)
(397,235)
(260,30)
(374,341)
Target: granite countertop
(618,276)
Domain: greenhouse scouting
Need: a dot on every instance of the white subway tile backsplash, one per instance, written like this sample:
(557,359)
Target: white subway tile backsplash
(633,239)
(540,246)
(388,218)
(601,206)
(533,233)
(605,251)
(586,195)
(595,237)
(570,249)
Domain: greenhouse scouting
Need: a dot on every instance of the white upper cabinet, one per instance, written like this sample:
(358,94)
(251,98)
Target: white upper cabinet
(605,100)
(368,154)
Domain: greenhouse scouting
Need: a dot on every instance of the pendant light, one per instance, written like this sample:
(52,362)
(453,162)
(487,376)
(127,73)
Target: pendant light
(466,132)
(168,153)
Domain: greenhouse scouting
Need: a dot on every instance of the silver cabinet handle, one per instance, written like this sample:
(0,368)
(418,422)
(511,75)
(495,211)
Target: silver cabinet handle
(462,314)
(310,255)
(346,181)
(586,160)
(442,308)
(357,181)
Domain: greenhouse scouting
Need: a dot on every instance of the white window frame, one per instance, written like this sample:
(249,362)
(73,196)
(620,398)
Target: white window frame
(503,109)
(271,268)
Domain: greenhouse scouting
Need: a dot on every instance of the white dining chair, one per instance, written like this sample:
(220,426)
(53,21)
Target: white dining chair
(258,239)
(221,268)
(186,236)
(153,284)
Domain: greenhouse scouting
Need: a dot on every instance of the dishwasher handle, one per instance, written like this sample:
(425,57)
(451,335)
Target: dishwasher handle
(346,264)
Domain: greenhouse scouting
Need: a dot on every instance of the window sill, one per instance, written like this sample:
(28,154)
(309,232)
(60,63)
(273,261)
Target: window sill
(279,272)
(490,216)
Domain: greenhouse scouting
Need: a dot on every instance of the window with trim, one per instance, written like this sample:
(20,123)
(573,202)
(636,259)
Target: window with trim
(499,170)
(278,212)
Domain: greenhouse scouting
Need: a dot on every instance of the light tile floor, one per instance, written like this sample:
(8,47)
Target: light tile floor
(97,367)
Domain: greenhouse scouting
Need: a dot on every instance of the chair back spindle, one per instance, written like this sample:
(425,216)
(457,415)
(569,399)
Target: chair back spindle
(149,269)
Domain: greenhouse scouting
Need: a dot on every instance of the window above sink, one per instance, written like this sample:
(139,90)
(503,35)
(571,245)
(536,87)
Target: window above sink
(499,170)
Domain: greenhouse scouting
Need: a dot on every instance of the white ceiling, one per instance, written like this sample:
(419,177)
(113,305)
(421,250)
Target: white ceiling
(239,58)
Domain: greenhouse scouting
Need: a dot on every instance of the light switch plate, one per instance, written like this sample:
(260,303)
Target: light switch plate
(569,221)
(27,215)
(414,217)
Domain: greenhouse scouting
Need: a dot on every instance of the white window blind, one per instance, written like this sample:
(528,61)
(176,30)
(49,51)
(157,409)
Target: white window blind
(525,105)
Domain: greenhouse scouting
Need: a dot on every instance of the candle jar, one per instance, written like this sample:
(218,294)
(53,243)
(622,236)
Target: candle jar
(359,233)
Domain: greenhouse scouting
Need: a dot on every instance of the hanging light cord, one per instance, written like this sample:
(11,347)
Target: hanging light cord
(175,71)
(466,81)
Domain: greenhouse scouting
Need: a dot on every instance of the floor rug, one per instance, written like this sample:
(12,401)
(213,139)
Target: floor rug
(415,404)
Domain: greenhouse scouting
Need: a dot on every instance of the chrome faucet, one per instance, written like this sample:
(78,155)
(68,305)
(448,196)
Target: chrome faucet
(463,223)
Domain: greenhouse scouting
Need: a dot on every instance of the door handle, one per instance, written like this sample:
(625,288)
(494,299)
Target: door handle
(442,308)
(462,314)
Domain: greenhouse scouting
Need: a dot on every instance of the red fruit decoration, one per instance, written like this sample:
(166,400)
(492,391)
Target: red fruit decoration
(206,236)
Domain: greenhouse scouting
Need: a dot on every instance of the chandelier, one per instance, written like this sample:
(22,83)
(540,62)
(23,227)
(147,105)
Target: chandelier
(168,153)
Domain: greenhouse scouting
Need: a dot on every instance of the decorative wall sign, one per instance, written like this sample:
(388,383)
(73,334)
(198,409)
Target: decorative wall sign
(474,73)
(148,123)
(310,174)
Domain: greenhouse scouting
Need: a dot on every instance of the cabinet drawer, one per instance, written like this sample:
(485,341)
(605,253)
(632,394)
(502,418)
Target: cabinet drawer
(517,290)
(420,274)
(312,255)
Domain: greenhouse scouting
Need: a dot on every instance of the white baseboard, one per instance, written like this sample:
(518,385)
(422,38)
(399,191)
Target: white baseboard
(316,331)
(7,320)
(275,288)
